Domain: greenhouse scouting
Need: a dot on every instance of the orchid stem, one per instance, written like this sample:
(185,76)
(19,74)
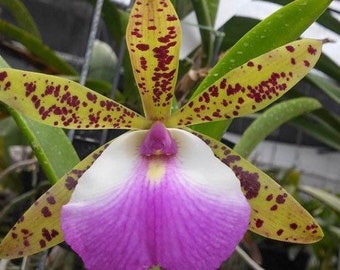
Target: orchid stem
(248,259)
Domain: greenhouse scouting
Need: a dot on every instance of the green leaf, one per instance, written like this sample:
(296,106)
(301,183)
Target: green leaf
(276,30)
(270,120)
(320,128)
(327,198)
(51,145)
(36,47)
(283,26)
(328,21)
(22,16)
(203,16)
(329,67)
(212,8)
(328,118)
(183,7)
(327,85)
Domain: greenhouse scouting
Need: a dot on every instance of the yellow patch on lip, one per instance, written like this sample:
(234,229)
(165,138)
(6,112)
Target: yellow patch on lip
(156,170)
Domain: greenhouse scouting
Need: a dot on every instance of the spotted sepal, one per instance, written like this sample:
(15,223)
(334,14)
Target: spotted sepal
(153,39)
(275,213)
(252,86)
(39,227)
(63,103)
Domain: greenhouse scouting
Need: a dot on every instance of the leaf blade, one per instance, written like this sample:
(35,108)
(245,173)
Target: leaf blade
(270,120)
(22,16)
(329,199)
(36,47)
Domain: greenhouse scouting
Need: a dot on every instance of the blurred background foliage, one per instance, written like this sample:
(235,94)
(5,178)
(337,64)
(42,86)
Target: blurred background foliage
(52,37)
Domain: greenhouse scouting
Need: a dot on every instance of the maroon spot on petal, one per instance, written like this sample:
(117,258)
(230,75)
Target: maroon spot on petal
(21,219)
(14,235)
(279,232)
(30,88)
(70,183)
(229,159)
(259,67)
(7,86)
(54,233)
(171,18)
(46,211)
(91,97)
(274,207)
(42,243)
(250,64)
(46,234)
(269,197)
(152,27)
(280,199)
(306,63)
(143,47)
(144,66)
(206,97)
(290,48)
(231,90)
(249,182)
(311,227)
(3,75)
(292,61)
(213,90)
(25,231)
(26,243)
(223,83)
(293,226)
(312,50)
(50,200)
(259,223)
(49,235)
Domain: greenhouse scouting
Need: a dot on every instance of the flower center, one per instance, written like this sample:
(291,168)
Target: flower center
(158,141)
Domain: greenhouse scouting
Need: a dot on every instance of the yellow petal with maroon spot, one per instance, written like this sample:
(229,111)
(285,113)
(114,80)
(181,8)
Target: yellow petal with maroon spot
(63,103)
(153,39)
(39,228)
(252,86)
(275,214)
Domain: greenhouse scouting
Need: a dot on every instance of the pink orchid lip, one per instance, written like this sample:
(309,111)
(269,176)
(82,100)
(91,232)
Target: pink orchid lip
(158,141)
(133,211)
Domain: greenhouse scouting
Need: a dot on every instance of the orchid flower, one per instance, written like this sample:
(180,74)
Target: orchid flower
(161,194)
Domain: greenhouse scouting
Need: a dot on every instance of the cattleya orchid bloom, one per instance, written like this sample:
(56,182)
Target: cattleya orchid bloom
(161,194)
